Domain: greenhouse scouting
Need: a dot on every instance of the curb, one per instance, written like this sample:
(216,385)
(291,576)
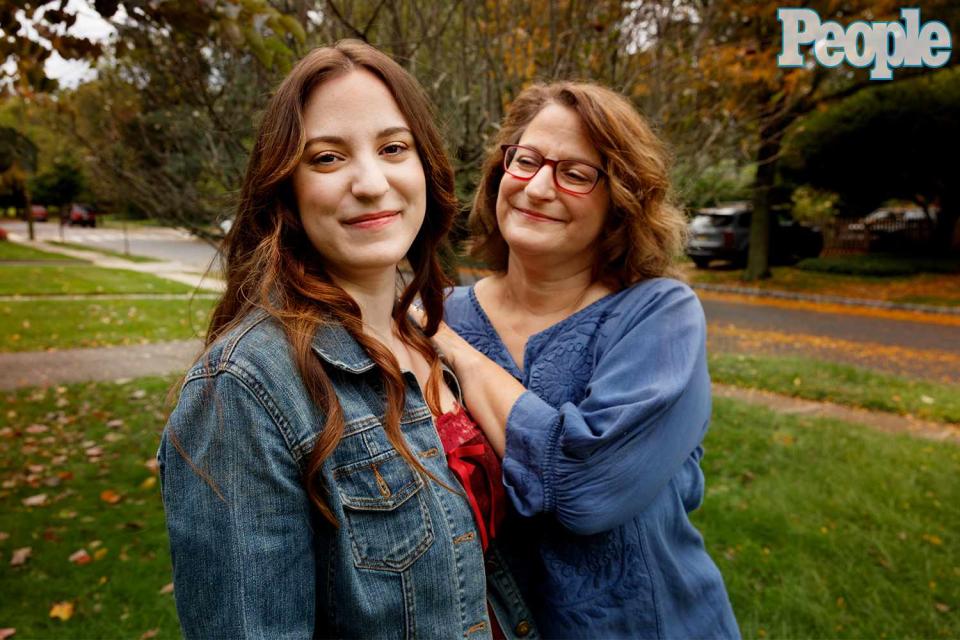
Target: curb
(823,298)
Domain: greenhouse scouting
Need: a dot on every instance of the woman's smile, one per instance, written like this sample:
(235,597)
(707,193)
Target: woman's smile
(372,221)
(536,215)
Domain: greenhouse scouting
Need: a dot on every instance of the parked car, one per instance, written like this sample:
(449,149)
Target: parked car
(894,229)
(38,212)
(723,233)
(81,215)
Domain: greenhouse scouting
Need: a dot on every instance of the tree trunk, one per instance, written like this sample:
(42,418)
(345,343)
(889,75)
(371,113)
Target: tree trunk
(758,258)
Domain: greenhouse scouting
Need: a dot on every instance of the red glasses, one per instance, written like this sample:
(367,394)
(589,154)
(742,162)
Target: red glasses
(571,176)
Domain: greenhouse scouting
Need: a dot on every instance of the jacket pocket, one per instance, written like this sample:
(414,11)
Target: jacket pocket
(387,517)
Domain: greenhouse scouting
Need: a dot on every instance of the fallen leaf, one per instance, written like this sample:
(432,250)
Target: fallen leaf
(167,588)
(926,399)
(20,556)
(933,539)
(62,610)
(103,580)
(152,633)
(138,394)
(35,501)
(100,554)
(152,465)
(114,437)
(941,607)
(80,557)
(36,468)
(95,544)
(149,483)
(4,535)
(37,428)
(7,632)
(94,451)
(110,496)
(115,424)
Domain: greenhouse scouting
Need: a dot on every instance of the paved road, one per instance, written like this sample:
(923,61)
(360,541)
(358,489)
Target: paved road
(154,242)
(841,326)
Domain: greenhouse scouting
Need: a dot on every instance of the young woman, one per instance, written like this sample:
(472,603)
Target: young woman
(305,485)
(586,368)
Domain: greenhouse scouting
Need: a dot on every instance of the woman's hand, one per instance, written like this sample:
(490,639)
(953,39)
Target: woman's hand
(489,392)
(454,349)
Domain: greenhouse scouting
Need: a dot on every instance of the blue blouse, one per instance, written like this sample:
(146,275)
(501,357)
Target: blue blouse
(602,464)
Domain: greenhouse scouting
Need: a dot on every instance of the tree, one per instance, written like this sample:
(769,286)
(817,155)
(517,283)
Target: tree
(18,160)
(894,141)
(60,185)
(738,65)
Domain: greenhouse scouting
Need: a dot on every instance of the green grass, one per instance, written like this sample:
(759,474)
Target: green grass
(827,530)
(821,529)
(880,265)
(840,383)
(117,596)
(65,324)
(19,252)
(106,252)
(81,279)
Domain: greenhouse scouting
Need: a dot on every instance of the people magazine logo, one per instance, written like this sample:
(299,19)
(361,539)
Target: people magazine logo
(881,46)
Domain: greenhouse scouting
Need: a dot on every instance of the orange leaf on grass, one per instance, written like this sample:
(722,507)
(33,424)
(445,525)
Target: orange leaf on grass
(80,557)
(152,633)
(7,632)
(110,496)
(167,588)
(62,610)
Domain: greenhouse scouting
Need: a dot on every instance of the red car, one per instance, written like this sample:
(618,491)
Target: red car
(38,212)
(82,215)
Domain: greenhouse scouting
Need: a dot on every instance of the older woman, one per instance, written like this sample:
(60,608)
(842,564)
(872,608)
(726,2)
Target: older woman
(585,366)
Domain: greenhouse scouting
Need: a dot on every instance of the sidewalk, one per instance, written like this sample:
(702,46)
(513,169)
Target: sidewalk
(44,368)
(167,269)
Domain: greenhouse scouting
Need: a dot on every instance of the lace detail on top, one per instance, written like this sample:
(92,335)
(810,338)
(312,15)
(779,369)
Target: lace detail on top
(476,465)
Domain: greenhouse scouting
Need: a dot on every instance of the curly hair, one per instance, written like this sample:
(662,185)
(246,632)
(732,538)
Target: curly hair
(644,231)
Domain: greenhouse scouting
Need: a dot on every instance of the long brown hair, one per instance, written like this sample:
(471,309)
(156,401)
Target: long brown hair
(644,232)
(270,263)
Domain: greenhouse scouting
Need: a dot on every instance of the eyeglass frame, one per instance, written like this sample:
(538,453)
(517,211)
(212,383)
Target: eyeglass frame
(553,165)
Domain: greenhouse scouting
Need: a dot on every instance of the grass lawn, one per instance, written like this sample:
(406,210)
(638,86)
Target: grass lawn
(65,324)
(840,383)
(828,530)
(81,279)
(937,289)
(821,529)
(106,252)
(100,497)
(19,252)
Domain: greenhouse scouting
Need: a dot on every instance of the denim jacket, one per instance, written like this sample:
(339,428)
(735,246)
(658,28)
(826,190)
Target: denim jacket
(252,558)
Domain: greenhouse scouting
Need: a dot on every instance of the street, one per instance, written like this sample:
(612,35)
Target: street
(162,243)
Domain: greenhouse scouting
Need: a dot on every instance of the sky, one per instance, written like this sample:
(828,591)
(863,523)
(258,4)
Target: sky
(90,25)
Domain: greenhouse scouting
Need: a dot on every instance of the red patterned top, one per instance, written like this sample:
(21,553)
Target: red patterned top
(474,462)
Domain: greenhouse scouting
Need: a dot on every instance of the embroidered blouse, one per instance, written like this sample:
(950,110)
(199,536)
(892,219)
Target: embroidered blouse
(602,466)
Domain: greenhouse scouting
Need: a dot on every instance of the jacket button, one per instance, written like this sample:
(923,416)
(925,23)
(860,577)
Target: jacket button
(522,629)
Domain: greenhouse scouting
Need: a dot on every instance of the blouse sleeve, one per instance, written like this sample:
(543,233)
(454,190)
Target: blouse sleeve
(238,517)
(645,410)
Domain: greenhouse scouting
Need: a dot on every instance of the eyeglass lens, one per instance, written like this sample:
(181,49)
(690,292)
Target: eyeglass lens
(569,175)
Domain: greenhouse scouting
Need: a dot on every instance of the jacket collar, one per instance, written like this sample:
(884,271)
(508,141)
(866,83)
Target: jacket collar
(334,344)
